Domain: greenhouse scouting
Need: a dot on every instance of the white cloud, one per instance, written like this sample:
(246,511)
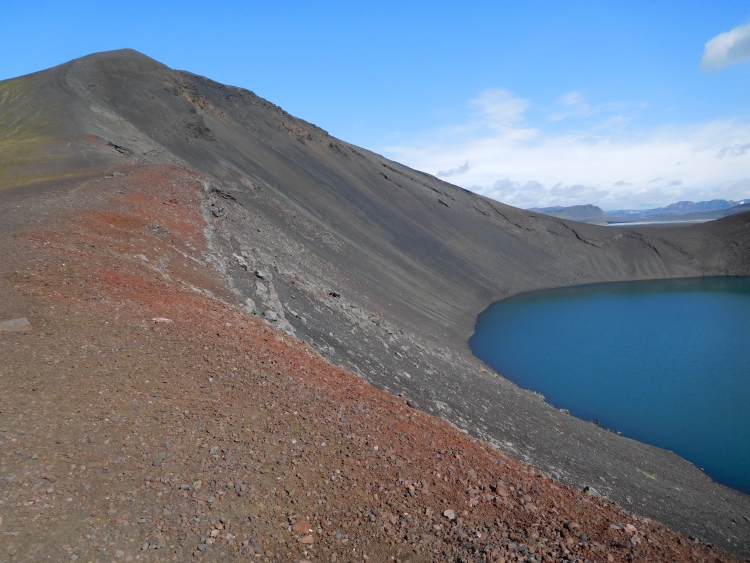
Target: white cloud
(513,193)
(571,104)
(499,108)
(454,171)
(734,150)
(612,168)
(728,48)
(575,105)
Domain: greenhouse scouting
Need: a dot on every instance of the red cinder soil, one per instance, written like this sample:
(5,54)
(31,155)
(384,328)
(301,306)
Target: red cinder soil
(206,434)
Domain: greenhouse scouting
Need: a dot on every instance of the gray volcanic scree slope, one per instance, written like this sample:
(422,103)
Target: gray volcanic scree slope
(382,268)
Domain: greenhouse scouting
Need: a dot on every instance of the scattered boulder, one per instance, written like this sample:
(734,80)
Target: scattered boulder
(271,316)
(250,307)
(591,491)
(241,261)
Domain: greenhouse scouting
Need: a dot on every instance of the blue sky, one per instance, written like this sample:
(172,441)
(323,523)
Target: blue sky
(620,104)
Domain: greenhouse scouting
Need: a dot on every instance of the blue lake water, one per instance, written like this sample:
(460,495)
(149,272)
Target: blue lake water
(664,362)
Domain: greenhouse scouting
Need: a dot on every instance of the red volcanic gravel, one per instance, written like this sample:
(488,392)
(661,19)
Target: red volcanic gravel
(146,417)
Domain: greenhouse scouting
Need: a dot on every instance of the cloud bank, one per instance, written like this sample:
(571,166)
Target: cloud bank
(606,164)
(454,171)
(726,49)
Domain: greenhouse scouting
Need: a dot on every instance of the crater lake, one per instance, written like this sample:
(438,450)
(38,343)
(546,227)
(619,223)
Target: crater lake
(665,362)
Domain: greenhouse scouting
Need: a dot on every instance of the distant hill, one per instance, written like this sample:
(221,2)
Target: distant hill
(682,211)
(584,213)
(682,207)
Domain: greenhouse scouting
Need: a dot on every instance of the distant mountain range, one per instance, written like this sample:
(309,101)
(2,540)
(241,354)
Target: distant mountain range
(682,211)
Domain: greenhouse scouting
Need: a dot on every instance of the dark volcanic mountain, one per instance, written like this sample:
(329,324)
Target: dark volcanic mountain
(584,213)
(380,267)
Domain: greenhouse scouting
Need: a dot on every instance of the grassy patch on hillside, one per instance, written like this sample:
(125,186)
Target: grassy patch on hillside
(26,135)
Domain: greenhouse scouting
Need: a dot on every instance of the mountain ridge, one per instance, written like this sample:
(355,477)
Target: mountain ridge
(679,211)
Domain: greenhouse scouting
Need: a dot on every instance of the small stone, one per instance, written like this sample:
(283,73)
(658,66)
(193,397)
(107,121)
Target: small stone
(119,553)
(411,404)
(450,514)
(307,540)
(203,547)
(591,491)
(241,261)
(250,306)
(214,450)
(271,315)
(15,325)
(301,527)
